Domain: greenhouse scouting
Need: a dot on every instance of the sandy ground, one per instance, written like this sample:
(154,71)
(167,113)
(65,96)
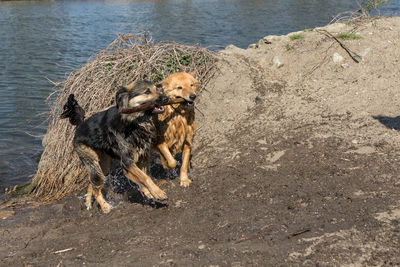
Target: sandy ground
(295,163)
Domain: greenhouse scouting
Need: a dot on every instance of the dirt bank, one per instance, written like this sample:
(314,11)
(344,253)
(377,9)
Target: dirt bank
(296,163)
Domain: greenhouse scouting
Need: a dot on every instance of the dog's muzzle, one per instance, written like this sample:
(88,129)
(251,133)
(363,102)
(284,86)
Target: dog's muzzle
(161,100)
(189,102)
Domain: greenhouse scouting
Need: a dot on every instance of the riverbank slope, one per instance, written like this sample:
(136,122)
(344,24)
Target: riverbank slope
(295,163)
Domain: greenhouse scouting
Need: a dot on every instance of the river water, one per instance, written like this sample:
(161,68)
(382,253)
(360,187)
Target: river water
(44,41)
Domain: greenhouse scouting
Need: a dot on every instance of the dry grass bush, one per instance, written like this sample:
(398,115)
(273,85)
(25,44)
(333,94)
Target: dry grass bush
(129,58)
(362,13)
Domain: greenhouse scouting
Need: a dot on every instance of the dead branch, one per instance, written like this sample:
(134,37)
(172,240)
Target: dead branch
(350,53)
(299,233)
(150,106)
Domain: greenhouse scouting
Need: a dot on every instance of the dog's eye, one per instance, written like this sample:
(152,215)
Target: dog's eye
(191,84)
(180,87)
(148,91)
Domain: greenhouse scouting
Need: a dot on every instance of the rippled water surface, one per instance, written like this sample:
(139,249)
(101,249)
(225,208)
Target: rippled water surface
(44,41)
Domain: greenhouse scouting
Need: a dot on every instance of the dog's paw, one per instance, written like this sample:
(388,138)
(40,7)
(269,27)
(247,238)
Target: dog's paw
(169,165)
(146,192)
(159,194)
(185,182)
(172,164)
(106,207)
(88,203)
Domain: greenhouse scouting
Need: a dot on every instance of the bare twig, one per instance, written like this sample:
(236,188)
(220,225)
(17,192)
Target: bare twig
(202,114)
(299,233)
(63,250)
(320,63)
(247,238)
(350,53)
(259,236)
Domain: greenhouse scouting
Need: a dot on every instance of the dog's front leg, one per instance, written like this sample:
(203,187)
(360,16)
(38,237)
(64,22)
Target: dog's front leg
(138,176)
(142,188)
(184,178)
(164,150)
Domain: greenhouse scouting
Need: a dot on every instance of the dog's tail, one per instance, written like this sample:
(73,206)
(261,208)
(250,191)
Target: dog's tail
(73,111)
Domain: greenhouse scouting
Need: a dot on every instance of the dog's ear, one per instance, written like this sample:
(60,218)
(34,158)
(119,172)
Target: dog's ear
(161,86)
(122,97)
(130,86)
(193,73)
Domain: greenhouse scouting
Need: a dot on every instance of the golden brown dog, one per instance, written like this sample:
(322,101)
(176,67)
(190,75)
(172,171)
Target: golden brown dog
(176,126)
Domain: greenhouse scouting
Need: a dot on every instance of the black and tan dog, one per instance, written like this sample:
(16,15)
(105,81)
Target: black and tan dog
(111,134)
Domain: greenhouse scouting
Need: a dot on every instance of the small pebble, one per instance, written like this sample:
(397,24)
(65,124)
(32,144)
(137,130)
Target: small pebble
(337,57)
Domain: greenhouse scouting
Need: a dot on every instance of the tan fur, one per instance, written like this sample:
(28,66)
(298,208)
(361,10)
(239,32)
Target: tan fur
(176,126)
(144,181)
(138,100)
(101,164)
(130,86)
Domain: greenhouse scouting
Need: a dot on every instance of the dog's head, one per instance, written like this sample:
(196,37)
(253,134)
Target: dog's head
(141,93)
(181,85)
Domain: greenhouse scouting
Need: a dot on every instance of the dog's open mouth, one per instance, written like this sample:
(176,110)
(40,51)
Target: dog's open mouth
(158,110)
(189,103)
(186,102)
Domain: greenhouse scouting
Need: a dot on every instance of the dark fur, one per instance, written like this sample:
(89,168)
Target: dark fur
(110,134)
(107,131)
(73,111)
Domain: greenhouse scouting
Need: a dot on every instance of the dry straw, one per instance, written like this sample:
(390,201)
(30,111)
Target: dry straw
(129,58)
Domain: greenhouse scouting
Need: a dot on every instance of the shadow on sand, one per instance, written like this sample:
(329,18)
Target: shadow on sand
(389,122)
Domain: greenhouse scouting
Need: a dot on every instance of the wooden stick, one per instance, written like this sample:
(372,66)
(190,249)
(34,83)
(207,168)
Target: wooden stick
(326,33)
(299,233)
(63,250)
(148,106)
(247,238)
